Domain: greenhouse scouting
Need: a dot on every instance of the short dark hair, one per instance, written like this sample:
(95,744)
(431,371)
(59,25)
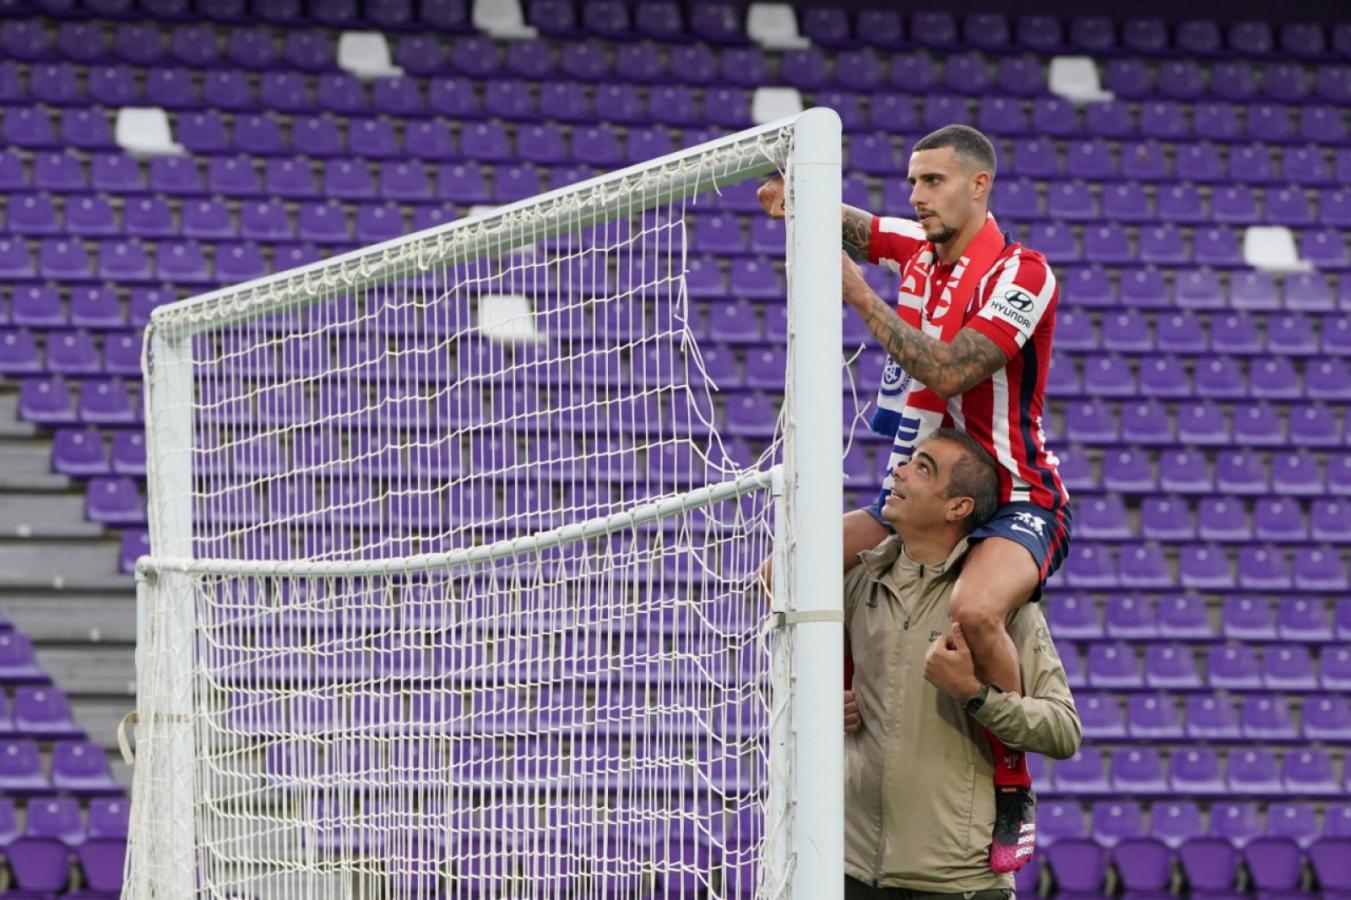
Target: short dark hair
(966,141)
(974,475)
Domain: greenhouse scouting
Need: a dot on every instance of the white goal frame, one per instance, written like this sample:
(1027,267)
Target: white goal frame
(807,740)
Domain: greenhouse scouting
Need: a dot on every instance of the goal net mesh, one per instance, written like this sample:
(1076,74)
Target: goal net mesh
(455,579)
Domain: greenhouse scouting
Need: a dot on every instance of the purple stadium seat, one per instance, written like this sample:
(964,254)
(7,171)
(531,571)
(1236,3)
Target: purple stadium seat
(1211,717)
(1270,123)
(21,768)
(1174,822)
(63,259)
(585,60)
(1130,617)
(1145,866)
(1075,617)
(1328,857)
(1114,820)
(19,353)
(1266,718)
(1275,864)
(1035,157)
(1038,32)
(1303,619)
(1210,864)
(81,767)
(718,23)
(1115,119)
(1180,79)
(1083,773)
(72,353)
(1021,75)
(1263,568)
(1240,472)
(1220,378)
(109,817)
(1294,821)
(1097,34)
(1253,772)
(1319,569)
(1128,470)
(1196,770)
(1327,718)
(57,817)
(1246,618)
(1216,121)
(46,401)
(79,452)
(1060,820)
(1252,163)
(1203,424)
(40,865)
(1309,771)
(1183,617)
(1114,665)
(1204,567)
(1080,866)
(1103,518)
(316,135)
(114,501)
(1170,666)
(1153,717)
(1101,716)
(1143,566)
(1323,125)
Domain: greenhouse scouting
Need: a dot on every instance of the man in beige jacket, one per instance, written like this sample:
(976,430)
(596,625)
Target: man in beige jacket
(919,811)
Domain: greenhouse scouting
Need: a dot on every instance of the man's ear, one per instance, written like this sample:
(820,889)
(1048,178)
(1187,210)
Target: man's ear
(980,185)
(960,507)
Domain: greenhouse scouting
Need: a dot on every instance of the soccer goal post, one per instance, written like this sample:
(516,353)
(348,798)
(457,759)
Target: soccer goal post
(459,581)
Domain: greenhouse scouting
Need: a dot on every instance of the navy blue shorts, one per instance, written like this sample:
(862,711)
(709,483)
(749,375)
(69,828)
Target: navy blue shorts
(1043,532)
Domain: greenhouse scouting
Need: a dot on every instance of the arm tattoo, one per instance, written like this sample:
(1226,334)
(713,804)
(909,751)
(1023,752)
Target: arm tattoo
(857,232)
(946,369)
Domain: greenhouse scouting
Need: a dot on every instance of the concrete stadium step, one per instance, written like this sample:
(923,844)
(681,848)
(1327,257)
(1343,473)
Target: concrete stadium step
(61,565)
(26,466)
(46,515)
(90,670)
(10,426)
(70,618)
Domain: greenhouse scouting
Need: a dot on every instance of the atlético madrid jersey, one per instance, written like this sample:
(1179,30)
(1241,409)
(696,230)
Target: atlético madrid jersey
(1013,305)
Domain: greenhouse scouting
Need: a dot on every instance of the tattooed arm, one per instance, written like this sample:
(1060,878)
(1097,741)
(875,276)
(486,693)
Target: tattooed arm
(856,231)
(946,369)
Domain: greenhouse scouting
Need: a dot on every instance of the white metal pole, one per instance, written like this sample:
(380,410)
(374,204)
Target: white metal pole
(815,499)
(168,603)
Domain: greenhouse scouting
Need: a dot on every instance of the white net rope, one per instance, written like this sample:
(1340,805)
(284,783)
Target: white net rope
(354,710)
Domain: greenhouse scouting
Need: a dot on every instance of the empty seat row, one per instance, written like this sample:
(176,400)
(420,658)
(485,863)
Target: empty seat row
(1208,567)
(1221,519)
(1186,617)
(1237,332)
(1211,717)
(1205,566)
(1136,471)
(1206,423)
(1173,665)
(1174,822)
(76,767)
(1121,204)
(64,818)
(1261,378)
(1148,287)
(1190,771)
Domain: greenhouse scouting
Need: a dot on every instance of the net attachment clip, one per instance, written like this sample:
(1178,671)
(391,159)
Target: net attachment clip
(798,617)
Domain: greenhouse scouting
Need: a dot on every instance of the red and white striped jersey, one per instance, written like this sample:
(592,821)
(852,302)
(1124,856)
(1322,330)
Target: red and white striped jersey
(1013,305)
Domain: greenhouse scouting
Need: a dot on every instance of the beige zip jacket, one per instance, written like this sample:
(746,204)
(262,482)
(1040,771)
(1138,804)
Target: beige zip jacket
(919,794)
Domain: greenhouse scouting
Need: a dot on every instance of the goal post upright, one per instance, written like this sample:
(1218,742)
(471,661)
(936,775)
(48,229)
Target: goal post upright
(165,642)
(815,500)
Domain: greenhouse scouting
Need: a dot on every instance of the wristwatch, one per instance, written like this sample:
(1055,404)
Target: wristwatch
(976,700)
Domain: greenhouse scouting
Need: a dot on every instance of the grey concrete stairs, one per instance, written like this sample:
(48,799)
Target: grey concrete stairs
(60,583)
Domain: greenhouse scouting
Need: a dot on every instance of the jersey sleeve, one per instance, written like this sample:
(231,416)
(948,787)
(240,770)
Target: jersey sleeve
(1024,292)
(894,239)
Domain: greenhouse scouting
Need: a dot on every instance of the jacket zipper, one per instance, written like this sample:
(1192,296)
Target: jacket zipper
(882,805)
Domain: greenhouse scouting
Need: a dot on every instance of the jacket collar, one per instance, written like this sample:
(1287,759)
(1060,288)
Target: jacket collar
(889,557)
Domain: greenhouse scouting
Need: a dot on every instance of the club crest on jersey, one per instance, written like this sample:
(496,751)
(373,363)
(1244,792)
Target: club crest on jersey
(895,380)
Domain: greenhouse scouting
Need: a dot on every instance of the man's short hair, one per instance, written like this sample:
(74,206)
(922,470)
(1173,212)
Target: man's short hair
(966,141)
(975,474)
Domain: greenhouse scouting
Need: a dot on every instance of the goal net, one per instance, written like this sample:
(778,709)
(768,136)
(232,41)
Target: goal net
(458,581)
